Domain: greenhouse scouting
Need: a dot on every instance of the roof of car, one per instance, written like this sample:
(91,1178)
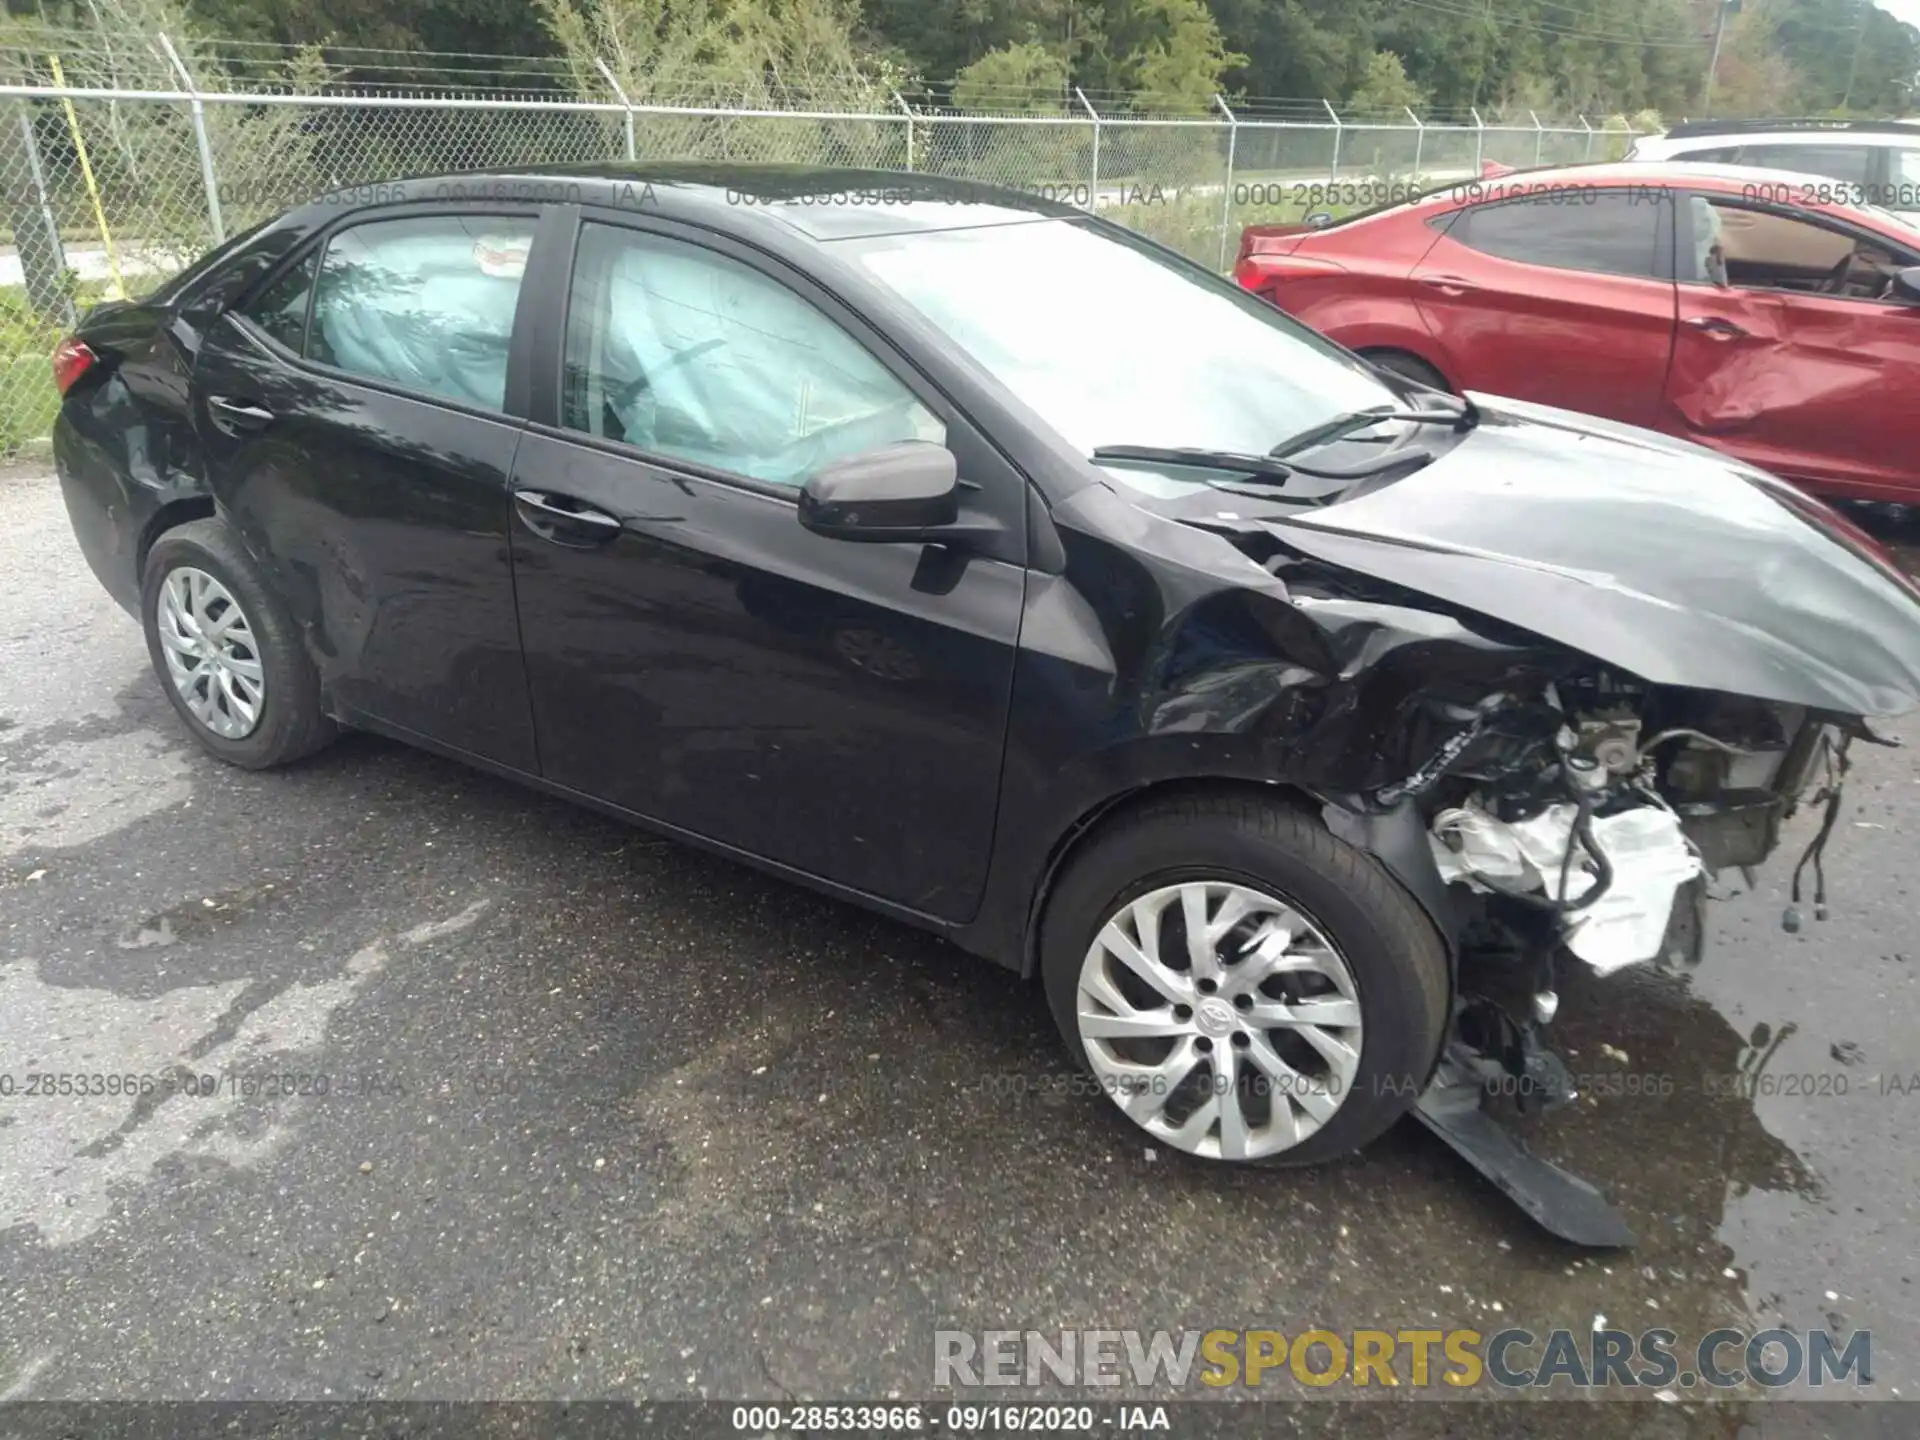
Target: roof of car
(1748,178)
(1792,129)
(818,202)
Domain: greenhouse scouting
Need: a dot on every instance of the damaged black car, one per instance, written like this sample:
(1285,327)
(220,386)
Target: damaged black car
(973,559)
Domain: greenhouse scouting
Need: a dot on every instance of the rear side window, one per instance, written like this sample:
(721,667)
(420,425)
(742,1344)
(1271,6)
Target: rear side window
(1853,163)
(424,303)
(281,308)
(1612,232)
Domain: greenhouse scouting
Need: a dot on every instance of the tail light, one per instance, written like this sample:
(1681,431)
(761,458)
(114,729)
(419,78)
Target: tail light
(71,360)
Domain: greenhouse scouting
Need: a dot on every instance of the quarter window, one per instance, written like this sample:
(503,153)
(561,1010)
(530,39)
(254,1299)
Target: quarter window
(683,352)
(1609,231)
(425,303)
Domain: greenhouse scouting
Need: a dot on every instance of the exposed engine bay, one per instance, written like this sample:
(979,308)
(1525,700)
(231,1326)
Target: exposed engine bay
(1594,803)
(1585,820)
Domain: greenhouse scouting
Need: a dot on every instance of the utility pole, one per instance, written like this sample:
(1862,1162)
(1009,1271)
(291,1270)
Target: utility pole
(1480,74)
(1713,64)
(1859,44)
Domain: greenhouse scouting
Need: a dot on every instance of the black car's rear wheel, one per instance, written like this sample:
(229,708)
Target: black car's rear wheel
(226,653)
(1244,985)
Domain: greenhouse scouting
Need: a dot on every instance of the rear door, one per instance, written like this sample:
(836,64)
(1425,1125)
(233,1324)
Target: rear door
(354,418)
(695,656)
(1792,352)
(1564,297)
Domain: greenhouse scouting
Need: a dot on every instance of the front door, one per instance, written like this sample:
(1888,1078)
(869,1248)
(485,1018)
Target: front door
(1794,353)
(697,657)
(352,417)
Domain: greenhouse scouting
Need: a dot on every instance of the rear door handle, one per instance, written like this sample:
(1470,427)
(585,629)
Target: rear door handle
(1716,328)
(564,520)
(1448,284)
(233,415)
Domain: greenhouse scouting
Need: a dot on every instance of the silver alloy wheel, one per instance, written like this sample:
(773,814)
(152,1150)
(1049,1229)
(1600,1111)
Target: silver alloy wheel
(1220,1019)
(211,656)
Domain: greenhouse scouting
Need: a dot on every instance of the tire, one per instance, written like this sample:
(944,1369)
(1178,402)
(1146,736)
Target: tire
(261,648)
(1408,367)
(1242,843)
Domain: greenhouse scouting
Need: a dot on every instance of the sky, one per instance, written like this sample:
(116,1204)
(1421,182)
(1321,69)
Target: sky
(1907,10)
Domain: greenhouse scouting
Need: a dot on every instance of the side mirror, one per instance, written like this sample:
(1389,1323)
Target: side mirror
(903,491)
(1906,286)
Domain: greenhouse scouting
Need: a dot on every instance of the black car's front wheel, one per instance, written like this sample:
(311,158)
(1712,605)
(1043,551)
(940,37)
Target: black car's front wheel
(226,653)
(1241,983)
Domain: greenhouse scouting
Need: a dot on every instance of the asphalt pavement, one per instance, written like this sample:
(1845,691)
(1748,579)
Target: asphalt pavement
(605,1117)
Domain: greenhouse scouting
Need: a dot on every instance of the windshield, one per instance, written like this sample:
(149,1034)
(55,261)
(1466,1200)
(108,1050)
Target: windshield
(1115,344)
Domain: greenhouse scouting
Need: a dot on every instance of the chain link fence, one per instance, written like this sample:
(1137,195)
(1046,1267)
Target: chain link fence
(109,190)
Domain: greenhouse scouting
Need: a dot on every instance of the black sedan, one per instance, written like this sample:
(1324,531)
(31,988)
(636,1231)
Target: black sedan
(979,561)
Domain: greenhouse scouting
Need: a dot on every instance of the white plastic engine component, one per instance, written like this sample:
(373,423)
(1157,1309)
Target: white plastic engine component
(1650,856)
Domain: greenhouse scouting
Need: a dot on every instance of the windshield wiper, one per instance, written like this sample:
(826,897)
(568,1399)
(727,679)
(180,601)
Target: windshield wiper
(1261,467)
(1465,418)
(1232,461)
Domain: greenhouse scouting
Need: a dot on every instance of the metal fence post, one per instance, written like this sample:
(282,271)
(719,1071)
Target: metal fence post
(906,110)
(625,104)
(1226,207)
(1539,136)
(1588,153)
(43,260)
(207,176)
(1093,185)
(1479,140)
(1419,140)
(1333,171)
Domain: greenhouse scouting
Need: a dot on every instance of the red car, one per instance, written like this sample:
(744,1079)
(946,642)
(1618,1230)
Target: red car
(1750,310)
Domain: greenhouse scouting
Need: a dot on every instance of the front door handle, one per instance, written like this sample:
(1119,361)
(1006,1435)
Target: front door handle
(1448,284)
(1716,328)
(564,520)
(233,416)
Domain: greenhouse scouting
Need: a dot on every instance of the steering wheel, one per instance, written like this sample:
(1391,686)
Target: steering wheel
(1836,281)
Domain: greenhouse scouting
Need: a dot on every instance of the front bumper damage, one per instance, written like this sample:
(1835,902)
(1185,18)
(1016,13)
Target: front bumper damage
(1646,910)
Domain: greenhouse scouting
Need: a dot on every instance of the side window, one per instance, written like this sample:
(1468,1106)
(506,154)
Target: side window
(425,303)
(1750,248)
(1719,155)
(1852,163)
(1611,231)
(281,308)
(683,352)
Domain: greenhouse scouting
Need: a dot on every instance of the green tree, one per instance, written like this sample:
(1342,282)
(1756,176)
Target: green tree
(1385,88)
(1169,52)
(1024,78)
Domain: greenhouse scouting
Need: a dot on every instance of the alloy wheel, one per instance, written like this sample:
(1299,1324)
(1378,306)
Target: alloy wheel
(1220,1019)
(212,658)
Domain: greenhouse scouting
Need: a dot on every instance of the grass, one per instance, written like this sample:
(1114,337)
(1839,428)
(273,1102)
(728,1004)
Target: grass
(28,401)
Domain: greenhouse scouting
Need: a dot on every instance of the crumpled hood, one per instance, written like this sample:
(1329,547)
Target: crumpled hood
(1655,556)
